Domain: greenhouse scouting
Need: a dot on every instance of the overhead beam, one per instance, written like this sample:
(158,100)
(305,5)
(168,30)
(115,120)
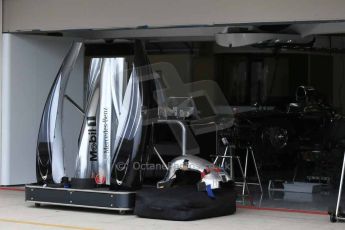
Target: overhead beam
(52,15)
(158,34)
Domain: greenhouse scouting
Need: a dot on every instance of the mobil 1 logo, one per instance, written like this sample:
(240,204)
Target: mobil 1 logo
(91,124)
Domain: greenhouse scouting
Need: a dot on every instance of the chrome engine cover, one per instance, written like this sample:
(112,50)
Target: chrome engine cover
(211,175)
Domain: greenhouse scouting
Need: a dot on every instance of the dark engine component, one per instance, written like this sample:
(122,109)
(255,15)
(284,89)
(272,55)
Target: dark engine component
(276,136)
(281,138)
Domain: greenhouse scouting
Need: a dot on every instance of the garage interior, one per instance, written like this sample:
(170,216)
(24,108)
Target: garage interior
(263,79)
(267,94)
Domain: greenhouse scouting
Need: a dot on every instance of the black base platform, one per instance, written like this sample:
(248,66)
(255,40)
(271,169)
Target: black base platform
(121,201)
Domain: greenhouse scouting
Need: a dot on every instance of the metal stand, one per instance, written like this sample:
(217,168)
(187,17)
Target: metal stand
(244,183)
(250,154)
(184,140)
(338,215)
(183,132)
(228,154)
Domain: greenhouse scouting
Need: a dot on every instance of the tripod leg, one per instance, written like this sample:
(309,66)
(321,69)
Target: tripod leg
(256,169)
(223,160)
(340,188)
(245,171)
(215,160)
(231,165)
(160,158)
(244,178)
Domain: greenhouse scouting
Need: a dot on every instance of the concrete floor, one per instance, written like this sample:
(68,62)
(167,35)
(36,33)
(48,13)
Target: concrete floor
(16,214)
(319,201)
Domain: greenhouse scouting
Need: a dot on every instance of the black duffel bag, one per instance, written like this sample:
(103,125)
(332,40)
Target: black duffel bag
(184,203)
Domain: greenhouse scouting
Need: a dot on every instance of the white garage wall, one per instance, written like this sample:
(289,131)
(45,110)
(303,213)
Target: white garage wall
(30,64)
(0,84)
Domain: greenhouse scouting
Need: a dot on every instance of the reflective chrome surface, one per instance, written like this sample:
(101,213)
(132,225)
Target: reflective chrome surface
(117,87)
(129,131)
(193,163)
(138,112)
(118,83)
(105,121)
(49,158)
(87,160)
(111,96)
